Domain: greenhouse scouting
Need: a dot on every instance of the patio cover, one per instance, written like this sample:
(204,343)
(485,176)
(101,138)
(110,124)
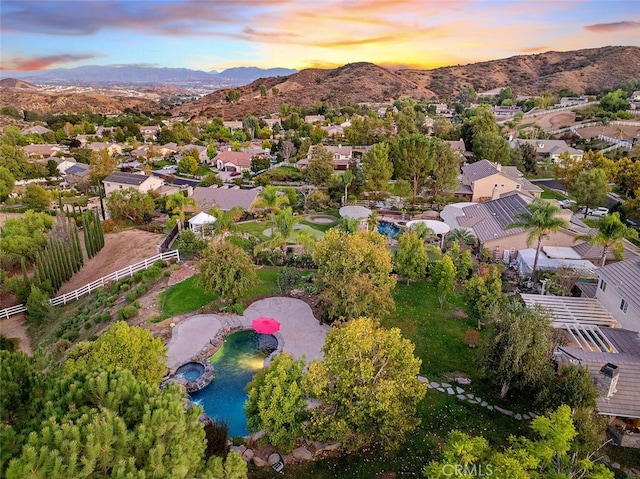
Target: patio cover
(567,309)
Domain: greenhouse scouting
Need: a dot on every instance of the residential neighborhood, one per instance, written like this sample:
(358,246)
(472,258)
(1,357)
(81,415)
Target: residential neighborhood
(401,287)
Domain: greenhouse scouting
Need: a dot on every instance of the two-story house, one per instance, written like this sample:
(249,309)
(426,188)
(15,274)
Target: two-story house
(619,291)
(483,181)
(138,181)
(342,156)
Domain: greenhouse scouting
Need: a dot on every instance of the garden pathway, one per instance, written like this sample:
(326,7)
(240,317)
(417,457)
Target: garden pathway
(459,393)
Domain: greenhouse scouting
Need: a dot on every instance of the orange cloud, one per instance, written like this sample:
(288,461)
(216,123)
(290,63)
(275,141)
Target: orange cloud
(41,63)
(612,27)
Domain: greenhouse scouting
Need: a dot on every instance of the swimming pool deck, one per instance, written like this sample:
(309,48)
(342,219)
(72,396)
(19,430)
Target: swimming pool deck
(300,331)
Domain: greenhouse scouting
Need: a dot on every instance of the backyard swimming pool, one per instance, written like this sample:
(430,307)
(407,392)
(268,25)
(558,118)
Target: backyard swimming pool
(388,229)
(241,356)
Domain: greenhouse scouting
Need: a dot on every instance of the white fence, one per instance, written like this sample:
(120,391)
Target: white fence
(97,284)
(615,141)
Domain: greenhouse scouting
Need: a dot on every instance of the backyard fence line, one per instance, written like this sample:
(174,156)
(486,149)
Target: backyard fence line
(97,284)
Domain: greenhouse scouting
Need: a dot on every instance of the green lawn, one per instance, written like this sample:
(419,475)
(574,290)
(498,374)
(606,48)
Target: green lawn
(438,339)
(186,297)
(293,237)
(550,194)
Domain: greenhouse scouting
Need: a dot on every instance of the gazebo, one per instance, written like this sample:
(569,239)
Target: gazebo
(358,213)
(439,228)
(202,222)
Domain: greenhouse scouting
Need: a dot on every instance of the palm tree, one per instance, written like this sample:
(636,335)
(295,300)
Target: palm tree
(539,220)
(346,178)
(177,202)
(226,219)
(610,233)
(463,236)
(271,199)
(372,221)
(282,226)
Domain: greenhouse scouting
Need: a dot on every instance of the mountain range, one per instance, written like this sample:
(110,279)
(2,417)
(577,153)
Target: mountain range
(130,75)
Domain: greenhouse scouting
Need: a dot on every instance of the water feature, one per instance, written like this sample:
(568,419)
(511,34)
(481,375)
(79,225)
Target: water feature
(190,371)
(388,229)
(240,357)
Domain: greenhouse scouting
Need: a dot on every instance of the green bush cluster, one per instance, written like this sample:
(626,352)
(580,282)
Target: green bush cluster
(127,312)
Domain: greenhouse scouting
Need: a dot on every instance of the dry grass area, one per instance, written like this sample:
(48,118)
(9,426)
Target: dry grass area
(120,250)
(614,131)
(554,121)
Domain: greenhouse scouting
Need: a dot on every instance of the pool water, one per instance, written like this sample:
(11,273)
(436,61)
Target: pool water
(190,371)
(388,229)
(240,357)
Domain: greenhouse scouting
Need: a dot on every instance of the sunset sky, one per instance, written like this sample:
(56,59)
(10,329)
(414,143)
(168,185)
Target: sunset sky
(217,34)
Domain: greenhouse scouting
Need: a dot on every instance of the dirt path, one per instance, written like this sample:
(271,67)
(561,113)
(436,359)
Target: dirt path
(14,327)
(120,250)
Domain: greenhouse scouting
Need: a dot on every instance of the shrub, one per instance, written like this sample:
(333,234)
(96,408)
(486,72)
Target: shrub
(288,279)
(127,312)
(237,308)
(471,338)
(88,324)
(217,434)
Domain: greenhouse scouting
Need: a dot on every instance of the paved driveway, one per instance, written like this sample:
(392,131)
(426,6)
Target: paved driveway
(300,332)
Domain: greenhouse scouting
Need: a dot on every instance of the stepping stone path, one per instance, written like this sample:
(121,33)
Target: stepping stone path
(471,399)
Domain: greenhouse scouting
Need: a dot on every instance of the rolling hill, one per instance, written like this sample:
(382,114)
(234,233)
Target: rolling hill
(581,70)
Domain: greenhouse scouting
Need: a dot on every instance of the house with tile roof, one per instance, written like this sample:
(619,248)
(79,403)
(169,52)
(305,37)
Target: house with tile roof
(484,180)
(619,291)
(550,148)
(139,181)
(488,223)
(228,160)
(224,198)
(41,151)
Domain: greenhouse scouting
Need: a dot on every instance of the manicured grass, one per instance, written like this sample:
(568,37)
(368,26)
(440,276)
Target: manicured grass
(255,228)
(293,237)
(186,297)
(550,194)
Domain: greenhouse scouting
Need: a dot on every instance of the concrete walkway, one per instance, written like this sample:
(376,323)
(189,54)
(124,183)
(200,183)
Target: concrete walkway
(300,332)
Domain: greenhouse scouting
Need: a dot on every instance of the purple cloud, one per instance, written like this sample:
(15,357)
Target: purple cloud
(612,27)
(40,63)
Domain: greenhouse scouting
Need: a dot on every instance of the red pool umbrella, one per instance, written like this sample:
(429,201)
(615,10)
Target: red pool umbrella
(264,325)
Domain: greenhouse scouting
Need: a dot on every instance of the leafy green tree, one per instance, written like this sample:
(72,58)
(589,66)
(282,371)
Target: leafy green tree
(443,176)
(346,178)
(443,277)
(539,220)
(462,260)
(188,165)
(615,101)
(122,346)
(610,233)
(590,188)
(101,165)
(227,270)
(7,182)
(366,386)
(36,198)
(571,385)
(320,166)
(24,237)
(38,308)
(177,202)
(518,347)
(131,205)
(627,174)
(377,168)
(414,160)
(492,147)
(271,199)
(109,424)
(529,157)
(276,401)
(354,274)
(260,163)
(233,96)
(211,179)
(410,259)
(551,454)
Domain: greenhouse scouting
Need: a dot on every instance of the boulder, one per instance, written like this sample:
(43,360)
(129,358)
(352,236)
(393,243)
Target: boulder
(256,436)
(301,454)
(258,461)
(237,449)
(273,459)
(248,455)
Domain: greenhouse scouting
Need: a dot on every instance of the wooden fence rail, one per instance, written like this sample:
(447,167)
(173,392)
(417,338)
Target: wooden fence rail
(97,284)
